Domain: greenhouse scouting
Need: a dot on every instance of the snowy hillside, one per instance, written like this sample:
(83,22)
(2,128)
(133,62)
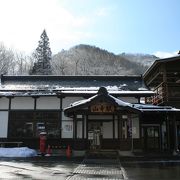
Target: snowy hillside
(144,59)
(91,60)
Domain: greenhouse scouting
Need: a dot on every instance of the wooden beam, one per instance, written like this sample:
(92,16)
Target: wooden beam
(152,78)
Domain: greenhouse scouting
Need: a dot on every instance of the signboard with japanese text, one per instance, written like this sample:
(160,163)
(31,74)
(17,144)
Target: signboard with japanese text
(102,108)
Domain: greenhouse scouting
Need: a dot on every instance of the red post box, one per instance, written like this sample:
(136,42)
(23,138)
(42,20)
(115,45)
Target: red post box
(42,143)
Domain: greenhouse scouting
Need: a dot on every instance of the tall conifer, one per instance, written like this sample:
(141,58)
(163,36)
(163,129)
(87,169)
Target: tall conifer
(42,55)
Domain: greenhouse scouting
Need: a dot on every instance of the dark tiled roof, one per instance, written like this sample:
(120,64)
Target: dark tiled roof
(117,83)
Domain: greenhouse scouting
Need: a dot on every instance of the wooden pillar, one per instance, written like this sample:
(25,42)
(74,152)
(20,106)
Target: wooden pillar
(9,110)
(75,126)
(160,135)
(35,101)
(87,127)
(168,131)
(132,141)
(140,130)
(163,67)
(113,126)
(10,101)
(87,142)
(60,116)
(118,118)
(83,119)
(175,133)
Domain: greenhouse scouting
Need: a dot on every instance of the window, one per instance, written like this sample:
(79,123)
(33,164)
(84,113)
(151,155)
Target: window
(29,124)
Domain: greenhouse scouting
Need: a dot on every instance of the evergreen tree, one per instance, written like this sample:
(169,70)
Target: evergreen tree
(42,55)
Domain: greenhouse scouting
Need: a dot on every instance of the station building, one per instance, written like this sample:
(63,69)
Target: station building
(85,112)
(163,78)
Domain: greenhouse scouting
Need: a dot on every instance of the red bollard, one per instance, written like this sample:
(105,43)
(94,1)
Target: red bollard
(42,143)
(68,152)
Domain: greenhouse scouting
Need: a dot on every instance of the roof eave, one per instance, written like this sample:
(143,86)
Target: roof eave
(158,61)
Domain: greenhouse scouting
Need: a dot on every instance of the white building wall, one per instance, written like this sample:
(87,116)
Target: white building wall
(22,103)
(48,103)
(4,124)
(4,103)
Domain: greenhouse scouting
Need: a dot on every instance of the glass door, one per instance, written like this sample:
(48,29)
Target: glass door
(178,135)
(151,138)
(95,134)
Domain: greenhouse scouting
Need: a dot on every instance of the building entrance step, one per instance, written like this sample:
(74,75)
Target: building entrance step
(99,165)
(102,154)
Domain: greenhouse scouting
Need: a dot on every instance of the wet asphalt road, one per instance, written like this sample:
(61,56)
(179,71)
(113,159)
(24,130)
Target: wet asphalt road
(37,168)
(61,168)
(152,169)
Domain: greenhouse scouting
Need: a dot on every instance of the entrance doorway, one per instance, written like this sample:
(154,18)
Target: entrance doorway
(151,138)
(178,135)
(95,135)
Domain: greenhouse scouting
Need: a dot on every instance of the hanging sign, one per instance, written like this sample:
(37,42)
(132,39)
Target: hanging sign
(102,108)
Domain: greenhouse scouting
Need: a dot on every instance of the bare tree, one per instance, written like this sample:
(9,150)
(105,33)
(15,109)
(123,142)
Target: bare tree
(21,64)
(6,59)
(59,65)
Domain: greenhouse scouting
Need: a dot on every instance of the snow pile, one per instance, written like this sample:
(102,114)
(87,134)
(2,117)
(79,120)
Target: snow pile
(17,152)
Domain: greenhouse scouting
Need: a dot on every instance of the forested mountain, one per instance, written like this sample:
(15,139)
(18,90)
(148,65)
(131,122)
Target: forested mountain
(144,59)
(78,60)
(91,60)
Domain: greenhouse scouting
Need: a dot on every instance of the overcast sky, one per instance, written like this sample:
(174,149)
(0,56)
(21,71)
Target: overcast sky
(132,26)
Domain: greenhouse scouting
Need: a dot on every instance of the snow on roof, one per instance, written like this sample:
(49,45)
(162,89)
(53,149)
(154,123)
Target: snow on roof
(55,93)
(84,101)
(17,152)
(110,92)
(150,107)
(120,102)
(103,93)
(82,83)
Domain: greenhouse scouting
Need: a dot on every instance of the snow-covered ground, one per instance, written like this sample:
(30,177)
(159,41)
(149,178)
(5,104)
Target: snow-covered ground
(17,152)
